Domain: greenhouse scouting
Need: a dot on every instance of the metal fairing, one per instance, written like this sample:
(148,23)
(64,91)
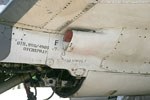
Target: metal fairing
(114,84)
(32,47)
(109,50)
(28,47)
(117,50)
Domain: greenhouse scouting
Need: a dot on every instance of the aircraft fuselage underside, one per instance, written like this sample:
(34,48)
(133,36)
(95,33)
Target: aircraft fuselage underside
(98,59)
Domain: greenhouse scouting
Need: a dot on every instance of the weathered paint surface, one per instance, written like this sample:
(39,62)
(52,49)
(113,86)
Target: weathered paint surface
(105,57)
(111,50)
(28,47)
(106,84)
(116,49)
(57,16)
